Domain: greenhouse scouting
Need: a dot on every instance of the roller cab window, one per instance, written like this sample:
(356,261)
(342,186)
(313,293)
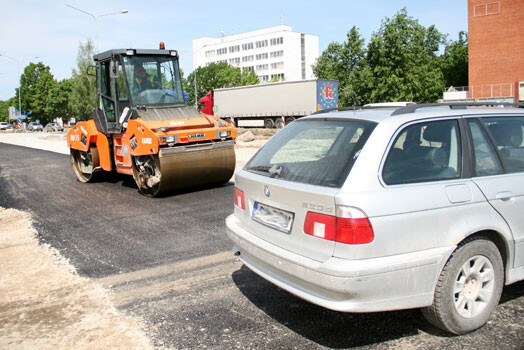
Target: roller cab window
(153,80)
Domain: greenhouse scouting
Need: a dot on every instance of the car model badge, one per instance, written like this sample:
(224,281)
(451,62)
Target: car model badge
(266,191)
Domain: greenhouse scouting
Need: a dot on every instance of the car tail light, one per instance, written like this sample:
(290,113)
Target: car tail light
(349,226)
(239,199)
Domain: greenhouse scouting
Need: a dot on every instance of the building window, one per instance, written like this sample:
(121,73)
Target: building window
(247,58)
(277,65)
(222,51)
(261,43)
(262,56)
(488,9)
(221,61)
(277,77)
(234,48)
(235,60)
(263,78)
(248,46)
(277,41)
(277,54)
(262,67)
(248,69)
(210,53)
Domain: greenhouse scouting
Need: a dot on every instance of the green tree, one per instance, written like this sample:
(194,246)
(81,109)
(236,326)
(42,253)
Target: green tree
(454,62)
(83,86)
(329,65)
(347,64)
(4,110)
(214,76)
(35,83)
(58,100)
(402,57)
(400,62)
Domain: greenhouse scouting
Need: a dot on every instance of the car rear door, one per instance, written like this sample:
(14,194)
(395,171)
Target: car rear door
(499,165)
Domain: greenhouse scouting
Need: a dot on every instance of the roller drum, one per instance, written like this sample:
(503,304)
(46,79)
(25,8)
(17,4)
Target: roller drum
(183,167)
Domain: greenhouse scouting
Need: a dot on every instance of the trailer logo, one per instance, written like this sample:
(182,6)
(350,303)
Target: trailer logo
(328,92)
(197,136)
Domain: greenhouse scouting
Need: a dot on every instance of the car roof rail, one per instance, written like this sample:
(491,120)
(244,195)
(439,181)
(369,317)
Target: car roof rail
(327,110)
(455,105)
(354,108)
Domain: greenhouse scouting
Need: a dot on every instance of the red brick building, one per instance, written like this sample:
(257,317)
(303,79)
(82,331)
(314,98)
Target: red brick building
(496,48)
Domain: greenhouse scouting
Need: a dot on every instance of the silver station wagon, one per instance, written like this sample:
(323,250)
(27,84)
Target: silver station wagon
(384,209)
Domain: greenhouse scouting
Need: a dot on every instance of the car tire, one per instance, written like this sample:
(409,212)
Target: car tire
(469,287)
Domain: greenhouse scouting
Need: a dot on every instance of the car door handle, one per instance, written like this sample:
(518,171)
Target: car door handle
(505,196)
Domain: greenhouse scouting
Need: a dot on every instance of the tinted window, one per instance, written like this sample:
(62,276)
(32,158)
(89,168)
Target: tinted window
(486,161)
(313,152)
(508,136)
(424,152)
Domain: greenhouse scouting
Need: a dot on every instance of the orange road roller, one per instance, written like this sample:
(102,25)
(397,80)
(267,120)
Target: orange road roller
(143,127)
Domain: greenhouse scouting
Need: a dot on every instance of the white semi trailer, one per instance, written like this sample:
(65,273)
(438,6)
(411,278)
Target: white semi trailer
(270,105)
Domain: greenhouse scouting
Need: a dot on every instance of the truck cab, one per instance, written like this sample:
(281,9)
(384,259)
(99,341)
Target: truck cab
(206,103)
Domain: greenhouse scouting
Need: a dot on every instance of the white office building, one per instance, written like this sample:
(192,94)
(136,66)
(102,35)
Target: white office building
(273,53)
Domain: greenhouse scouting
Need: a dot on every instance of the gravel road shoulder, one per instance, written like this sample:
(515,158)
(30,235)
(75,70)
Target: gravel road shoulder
(44,304)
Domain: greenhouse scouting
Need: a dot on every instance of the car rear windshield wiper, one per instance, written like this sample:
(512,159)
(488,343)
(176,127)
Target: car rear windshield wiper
(274,170)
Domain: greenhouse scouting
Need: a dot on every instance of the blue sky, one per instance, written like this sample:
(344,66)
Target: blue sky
(52,31)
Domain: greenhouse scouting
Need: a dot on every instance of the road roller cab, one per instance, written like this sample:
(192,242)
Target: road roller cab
(144,128)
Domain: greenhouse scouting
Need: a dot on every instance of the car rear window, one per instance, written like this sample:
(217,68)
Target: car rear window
(315,152)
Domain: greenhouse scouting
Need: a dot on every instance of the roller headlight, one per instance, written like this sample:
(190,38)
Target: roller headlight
(169,139)
(222,134)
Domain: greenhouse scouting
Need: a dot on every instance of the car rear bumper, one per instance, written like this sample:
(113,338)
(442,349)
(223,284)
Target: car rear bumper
(388,283)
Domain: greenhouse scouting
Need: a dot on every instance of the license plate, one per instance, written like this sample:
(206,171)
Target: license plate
(275,218)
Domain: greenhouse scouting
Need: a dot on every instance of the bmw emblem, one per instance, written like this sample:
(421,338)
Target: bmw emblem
(266,191)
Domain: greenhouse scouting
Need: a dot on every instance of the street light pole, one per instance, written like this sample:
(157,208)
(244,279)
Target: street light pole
(19,83)
(96,17)
(195,74)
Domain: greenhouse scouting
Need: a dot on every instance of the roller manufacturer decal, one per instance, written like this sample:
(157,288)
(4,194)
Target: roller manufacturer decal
(197,136)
